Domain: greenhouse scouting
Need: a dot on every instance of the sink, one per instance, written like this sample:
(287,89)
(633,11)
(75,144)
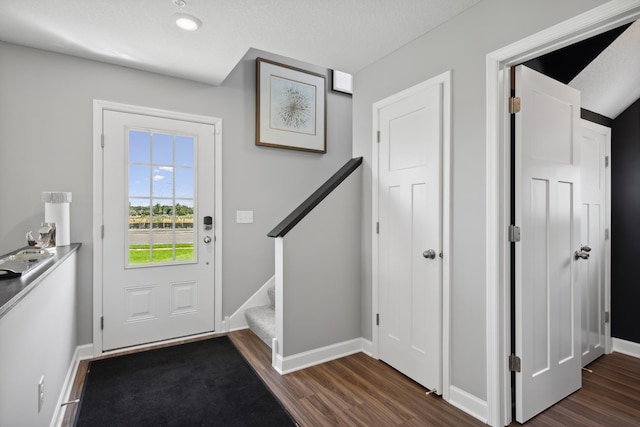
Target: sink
(31,255)
(20,262)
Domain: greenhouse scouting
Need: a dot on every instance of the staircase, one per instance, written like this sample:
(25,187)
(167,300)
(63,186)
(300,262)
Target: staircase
(319,270)
(262,319)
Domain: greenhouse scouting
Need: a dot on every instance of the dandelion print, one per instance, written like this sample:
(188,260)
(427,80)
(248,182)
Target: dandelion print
(292,106)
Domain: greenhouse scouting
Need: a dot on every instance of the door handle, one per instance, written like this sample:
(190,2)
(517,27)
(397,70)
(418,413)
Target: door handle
(207,239)
(585,248)
(581,255)
(429,254)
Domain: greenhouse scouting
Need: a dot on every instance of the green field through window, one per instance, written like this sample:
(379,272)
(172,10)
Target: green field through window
(142,254)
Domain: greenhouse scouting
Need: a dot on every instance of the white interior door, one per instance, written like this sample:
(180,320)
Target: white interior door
(547,293)
(410,232)
(592,274)
(158,263)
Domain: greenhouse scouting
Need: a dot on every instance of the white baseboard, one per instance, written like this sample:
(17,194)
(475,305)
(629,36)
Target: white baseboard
(82,352)
(286,365)
(469,403)
(629,348)
(85,352)
(237,321)
(367,347)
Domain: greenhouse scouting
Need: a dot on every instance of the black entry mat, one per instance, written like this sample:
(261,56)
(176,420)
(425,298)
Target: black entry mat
(204,383)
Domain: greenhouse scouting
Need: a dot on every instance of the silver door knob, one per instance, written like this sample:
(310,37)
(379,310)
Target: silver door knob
(581,255)
(429,254)
(585,248)
(207,239)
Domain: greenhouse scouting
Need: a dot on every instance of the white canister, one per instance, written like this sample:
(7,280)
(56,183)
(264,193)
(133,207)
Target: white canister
(56,209)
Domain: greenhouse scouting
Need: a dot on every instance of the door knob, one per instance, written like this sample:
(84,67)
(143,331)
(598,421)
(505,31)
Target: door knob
(585,248)
(582,254)
(207,239)
(429,254)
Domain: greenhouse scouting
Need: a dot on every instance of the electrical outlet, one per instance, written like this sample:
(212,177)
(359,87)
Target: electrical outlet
(40,393)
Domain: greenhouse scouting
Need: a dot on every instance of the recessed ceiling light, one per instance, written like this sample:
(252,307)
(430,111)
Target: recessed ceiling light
(187,22)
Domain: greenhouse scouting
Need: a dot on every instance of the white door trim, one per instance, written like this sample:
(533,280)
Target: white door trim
(590,23)
(445,79)
(98,108)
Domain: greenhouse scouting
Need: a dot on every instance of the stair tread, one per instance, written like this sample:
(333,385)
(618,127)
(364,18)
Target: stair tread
(262,321)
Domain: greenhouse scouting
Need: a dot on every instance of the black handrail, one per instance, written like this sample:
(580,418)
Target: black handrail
(307,206)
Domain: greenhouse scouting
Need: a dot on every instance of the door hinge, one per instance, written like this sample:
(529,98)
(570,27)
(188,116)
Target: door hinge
(378,137)
(606,234)
(377,228)
(514,233)
(102,231)
(514,105)
(606,161)
(377,319)
(607,317)
(102,140)
(514,363)
(102,323)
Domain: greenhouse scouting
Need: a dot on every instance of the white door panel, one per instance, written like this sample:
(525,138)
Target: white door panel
(158,273)
(410,210)
(547,293)
(595,140)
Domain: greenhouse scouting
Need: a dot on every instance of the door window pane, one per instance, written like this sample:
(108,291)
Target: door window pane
(162,149)
(161,198)
(139,229)
(184,151)
(184,183)
(163,181)
(139,146)
(139,176)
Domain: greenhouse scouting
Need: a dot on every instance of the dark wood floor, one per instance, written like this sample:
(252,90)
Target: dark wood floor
(352,391)
(360,391)
(610,396)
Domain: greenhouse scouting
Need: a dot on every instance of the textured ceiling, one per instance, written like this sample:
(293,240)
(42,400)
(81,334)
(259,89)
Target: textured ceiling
(611,82)
(345,35)
(604,68)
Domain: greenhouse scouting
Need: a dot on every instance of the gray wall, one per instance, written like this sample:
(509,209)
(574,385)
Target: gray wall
(321,272)
(460,45)
(46,145)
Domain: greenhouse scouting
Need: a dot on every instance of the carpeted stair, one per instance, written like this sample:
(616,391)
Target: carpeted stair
(262,319)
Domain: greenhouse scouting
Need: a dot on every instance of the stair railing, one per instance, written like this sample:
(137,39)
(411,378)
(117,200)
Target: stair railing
(317,274)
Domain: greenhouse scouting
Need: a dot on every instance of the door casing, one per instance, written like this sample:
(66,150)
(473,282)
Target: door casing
(445,80)
(583,26)
(99,107)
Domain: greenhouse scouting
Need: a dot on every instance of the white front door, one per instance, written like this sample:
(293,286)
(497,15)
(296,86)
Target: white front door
(547,201)
(592,274)
(158,262)
(410,238)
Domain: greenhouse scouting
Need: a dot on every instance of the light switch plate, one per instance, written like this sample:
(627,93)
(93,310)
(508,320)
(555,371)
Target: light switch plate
(244,217)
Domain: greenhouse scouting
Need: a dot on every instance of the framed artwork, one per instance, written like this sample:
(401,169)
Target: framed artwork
(290,107)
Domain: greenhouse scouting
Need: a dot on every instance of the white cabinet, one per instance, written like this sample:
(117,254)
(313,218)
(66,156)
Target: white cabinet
(38,339)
